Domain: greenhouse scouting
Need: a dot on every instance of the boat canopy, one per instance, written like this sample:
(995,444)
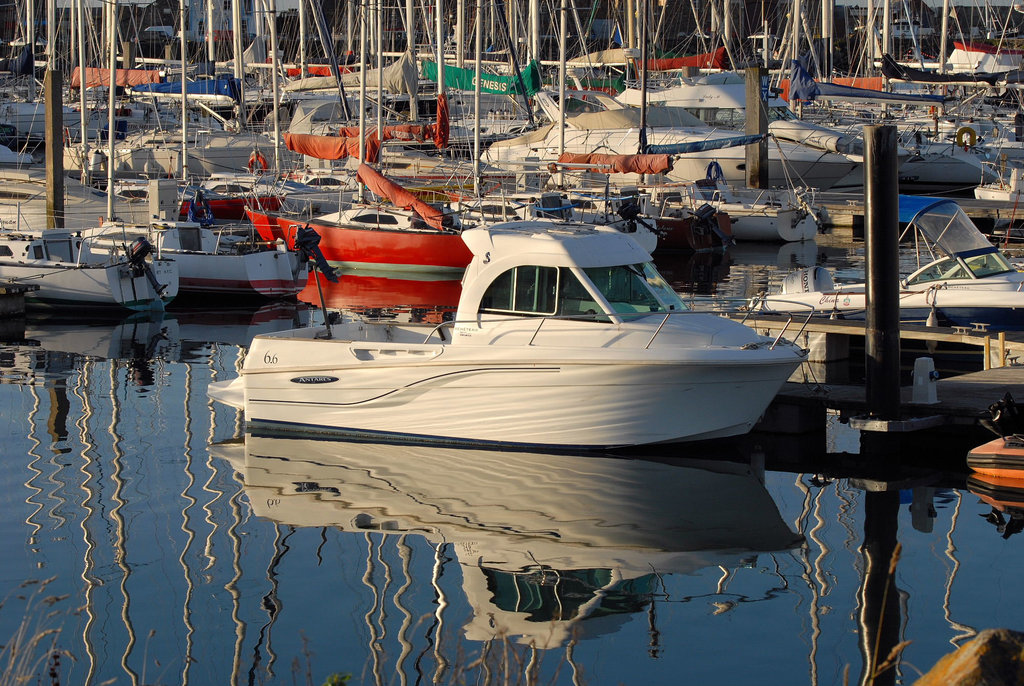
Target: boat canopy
(943,223)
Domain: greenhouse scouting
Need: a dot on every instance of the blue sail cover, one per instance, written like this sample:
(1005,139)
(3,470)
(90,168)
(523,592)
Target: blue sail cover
(701,146)
(803,87)
(23,64)
(222,85)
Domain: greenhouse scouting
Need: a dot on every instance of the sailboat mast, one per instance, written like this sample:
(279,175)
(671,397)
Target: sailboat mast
(303,61)
(236,36)
(562,33)
(83,114)
(410,23)
(440,46)
(274,86)
(943,46)
(111,102)
(184,93)
(478,50)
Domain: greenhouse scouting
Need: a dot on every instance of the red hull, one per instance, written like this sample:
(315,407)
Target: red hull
(372,247)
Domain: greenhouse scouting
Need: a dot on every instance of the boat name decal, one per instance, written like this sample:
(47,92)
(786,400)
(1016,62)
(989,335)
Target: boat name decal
(833,299)
(314,379)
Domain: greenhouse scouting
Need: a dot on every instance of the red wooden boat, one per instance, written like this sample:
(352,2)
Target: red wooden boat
(371,236)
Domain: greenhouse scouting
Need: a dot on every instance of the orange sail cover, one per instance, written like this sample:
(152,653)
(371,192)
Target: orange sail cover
(332,147)
(399,196)
(95,76)
(707,60)
(617,164)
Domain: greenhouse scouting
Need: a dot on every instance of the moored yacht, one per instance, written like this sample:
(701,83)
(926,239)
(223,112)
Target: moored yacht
(565,336)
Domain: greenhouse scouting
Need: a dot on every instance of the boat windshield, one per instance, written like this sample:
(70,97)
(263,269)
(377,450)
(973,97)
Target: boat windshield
(978,266)
(634,288)
(948,228)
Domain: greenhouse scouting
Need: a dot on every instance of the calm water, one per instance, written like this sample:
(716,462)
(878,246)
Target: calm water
(179,550)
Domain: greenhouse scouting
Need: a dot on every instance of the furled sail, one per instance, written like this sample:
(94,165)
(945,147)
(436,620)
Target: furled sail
(617,164)
(399,196)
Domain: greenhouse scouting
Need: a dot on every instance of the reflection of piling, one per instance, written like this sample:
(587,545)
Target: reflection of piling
(880,621)
(756,123)
(882,333)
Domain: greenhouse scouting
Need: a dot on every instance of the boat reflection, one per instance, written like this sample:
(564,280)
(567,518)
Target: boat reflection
(417,297)
(1006,498)
(551,547)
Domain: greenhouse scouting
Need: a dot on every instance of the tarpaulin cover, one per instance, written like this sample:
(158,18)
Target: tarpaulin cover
(332,147)
(223,85)
(620,164)
(399,196)
(894,70)
(95,76)
(23,65)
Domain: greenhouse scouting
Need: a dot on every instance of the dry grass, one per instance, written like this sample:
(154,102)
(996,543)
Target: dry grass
(31,655)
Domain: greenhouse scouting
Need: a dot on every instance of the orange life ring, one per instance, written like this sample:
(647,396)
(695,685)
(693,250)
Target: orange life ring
(257,162)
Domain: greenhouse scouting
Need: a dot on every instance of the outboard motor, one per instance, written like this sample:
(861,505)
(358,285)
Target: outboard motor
(138,250)
(809,280)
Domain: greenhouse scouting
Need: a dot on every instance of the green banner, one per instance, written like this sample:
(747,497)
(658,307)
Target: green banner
(462,79)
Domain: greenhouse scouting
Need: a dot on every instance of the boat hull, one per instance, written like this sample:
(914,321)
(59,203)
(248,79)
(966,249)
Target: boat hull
(999,458)
(268,273)
(100,286)
(371,247)
(521,396)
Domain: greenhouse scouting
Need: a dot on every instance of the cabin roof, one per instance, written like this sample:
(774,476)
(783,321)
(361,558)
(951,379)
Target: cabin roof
(543,243)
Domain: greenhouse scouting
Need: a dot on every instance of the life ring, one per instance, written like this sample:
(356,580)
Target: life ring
(966,133)
(257,162)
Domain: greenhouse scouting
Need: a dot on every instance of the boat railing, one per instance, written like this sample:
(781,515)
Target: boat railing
(758,304)
(438,330)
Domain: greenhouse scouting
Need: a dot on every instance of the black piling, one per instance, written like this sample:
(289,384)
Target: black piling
(756,124)
(881,214)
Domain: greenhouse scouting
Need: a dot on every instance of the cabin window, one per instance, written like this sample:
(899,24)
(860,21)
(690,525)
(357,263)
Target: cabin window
(5,251)
(634,288)
(375,219)
(37,252)
(949,268)
(522,290)
(988,263)
(324,181)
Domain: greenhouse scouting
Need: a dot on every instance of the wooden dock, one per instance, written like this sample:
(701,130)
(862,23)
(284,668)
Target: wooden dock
(846,210)
(963,400)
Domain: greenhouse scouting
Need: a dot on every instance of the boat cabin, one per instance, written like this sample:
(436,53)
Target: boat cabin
(538,268)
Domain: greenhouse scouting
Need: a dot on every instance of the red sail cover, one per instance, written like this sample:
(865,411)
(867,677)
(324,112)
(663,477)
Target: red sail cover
(707,60)
(398,196)
(618,164)
(332,147)
(95,76)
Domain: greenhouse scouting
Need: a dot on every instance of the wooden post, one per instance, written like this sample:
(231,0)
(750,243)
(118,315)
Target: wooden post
(756,123)
(1002,348)
(881,231)
(52,89)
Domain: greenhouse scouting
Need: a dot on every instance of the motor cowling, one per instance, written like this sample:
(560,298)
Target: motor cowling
(809,280)
(138,250)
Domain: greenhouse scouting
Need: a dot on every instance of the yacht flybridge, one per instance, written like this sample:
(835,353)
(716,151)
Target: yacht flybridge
(565,336)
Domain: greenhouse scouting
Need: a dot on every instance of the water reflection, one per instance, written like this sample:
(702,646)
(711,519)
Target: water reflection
(550,547)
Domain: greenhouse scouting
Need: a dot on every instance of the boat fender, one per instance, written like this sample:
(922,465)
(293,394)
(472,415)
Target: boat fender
(966,137)
(714,172)
(257,162)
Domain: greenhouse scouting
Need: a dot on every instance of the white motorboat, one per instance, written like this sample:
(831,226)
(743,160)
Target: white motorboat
(549,547)
(70,273)
(565,336)
(1006,188)
(967,281)
(210,262)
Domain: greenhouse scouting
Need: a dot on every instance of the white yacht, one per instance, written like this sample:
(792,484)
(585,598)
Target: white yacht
(565,336)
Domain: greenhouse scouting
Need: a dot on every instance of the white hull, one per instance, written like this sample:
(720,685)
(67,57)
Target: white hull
(94,285)
(269,273)
(759,223)
(499,395)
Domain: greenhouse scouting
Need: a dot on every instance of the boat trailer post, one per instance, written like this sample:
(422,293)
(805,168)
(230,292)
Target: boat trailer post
(881,237)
